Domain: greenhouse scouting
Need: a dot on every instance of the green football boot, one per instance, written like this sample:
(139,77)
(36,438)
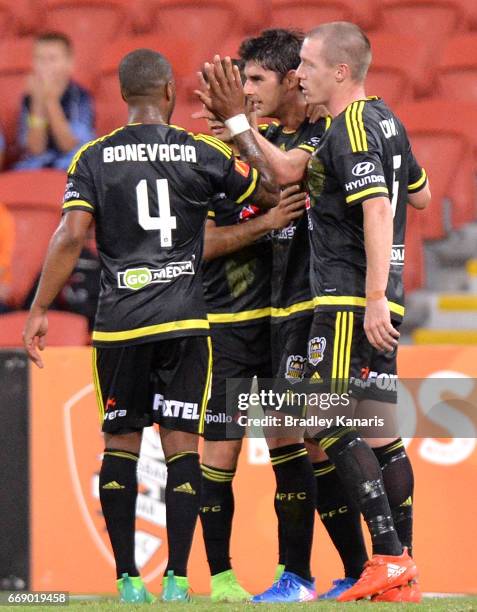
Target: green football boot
(132,590)
(278,572)
(175,588)
(225,588)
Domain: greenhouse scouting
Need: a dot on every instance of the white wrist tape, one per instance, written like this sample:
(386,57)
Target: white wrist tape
(237,124)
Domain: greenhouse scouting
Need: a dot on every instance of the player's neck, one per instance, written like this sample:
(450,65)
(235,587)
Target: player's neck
(343,99)
(293,113)
(146,113)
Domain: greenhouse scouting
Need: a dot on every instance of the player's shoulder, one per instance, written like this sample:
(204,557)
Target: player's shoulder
(210,146)
(91,148)
(358,127)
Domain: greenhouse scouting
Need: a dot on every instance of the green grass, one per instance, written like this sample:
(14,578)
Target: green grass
(203,604)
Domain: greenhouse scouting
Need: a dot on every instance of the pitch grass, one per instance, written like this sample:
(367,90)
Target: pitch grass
(203,604)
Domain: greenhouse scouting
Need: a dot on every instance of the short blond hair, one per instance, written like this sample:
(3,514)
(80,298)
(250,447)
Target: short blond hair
(345,43)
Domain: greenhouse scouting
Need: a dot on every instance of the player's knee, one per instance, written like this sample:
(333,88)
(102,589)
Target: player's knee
(221,454)
(129,442)
(174,442)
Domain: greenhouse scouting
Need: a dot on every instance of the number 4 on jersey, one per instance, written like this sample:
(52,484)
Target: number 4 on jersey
(165,222)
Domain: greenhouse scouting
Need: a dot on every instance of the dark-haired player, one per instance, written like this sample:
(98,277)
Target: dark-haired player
(147,187)
(236,275)
(360,179)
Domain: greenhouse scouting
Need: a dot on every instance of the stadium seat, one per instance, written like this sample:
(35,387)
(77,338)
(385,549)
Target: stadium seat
(470,9)
(28,15)
(444,148)
(457,75)
(432,21)
(111,111)
(15,65)
(7,19)
(306,15)
(202,24)
(92,25)
(255,15)
(64,329)
(399,65)
(34,198)
(414,271)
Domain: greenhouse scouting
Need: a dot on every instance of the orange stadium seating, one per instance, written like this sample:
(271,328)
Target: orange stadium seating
(432,21)
(399,64)
(111,110)
(205,30)
(64,329)
(306,15)
(458,68)
(92,25)
(15,65)
(414,271)
(34,198)
(445,149)
(7,19)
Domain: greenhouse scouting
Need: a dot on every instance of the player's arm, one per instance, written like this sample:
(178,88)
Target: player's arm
(220,241)
(288,166)
(419,193)
(378,240)
(63,252)
(223,95)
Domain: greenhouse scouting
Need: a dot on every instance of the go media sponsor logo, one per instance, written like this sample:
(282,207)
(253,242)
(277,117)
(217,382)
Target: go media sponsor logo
(138,278)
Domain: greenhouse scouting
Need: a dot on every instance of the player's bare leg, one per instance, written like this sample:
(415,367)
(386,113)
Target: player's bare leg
(219,463)
(118,494)
(182,507)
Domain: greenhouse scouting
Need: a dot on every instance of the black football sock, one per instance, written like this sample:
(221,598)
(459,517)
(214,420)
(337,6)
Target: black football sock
(282,551)
(360,473)
(342,519)
(216,515)
(182,508)
(118,494)
(295,496)
(398,480)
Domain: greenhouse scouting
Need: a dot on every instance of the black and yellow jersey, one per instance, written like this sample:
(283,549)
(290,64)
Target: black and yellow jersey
(365,154)
(237,286)
(291,293)
(148,188)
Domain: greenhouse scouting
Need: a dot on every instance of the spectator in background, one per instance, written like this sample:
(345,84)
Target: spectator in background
(7,240)
(57,114)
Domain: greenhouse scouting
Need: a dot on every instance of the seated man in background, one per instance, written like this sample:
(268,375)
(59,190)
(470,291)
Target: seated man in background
(7,240)
(57,114)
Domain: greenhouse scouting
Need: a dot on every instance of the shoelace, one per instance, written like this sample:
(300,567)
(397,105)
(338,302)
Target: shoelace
(282,585)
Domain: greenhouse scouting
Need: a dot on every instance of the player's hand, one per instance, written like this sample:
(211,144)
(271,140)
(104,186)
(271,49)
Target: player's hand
(224,97)
(290,207)
(34,334)
(377,325)
(315,112)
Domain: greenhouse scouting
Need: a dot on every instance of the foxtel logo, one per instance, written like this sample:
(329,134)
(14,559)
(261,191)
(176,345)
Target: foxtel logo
(137,278)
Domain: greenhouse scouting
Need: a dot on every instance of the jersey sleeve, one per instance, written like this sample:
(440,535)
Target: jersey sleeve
(80,193)
(417,174)
(361,176)
(312,136)
(237,179)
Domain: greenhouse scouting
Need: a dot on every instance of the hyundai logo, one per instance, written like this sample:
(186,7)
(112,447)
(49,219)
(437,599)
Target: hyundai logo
(363,168)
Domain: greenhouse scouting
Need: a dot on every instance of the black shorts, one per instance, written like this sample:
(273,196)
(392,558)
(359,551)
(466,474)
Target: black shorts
(341,359)
(238,352)
(164,382)
(290,347)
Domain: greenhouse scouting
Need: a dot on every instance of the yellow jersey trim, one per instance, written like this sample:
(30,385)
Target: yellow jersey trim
(97,387)
(294,308)
(79,153)
(150,330)
(345,300)
(355,126)
(237,317)
(306,147)
(419,183)
(251,187)
(366,192)
(210,214)
(214,142)
(73,203)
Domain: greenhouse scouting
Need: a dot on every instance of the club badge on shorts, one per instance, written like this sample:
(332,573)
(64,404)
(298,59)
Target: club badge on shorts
(295,369)
(316,350)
